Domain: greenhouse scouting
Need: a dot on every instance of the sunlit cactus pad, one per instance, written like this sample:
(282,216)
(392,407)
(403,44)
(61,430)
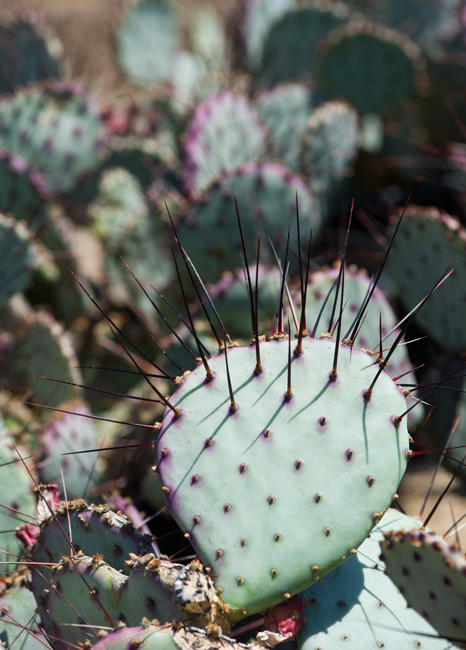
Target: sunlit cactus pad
(276,493)
(285,110)
(258,17)
(427,242)
(224,132)
(329,145)
(56,128)
(432,577)
(147,39)
(372,67)
(358,606)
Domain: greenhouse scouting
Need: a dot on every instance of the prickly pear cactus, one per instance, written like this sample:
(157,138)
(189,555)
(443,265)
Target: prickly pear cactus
(266,197)
(85,594)
(29,51)
(18,503)
(431,575)
(258,17)
(358,606)
(44,344)
(224,132)
(427,243)
(285,110)
(18,615)
(171,638)
(16,257)
(357,285)
(147,39)
(253,480)
(292,44)
(22,187)
(372,67)
(57,129)
(329,145)
(66,433)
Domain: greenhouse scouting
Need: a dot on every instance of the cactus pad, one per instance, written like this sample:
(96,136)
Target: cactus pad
(329,145)
(29,51)
(431,576)
(147,39)
(372,67)
(291,47)
(285,110)
(16,258)
(266,196)
(57,129)
(259,16)
(256,487)
(224,132)
(426,244)
(358,606)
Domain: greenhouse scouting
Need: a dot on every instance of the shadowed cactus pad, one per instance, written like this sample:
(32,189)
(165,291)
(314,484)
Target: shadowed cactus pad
(16,257)
(432,577)
(372,67)
(256,488)
(358,606)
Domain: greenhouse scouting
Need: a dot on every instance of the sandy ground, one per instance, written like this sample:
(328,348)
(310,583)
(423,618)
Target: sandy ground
(86,29)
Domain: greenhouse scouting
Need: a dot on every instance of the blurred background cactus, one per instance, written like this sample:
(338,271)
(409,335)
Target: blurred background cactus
(116,118)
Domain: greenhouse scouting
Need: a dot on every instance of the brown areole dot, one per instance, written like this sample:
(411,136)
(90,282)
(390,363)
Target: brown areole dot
(243,542)
(370,481)
(239,580)
(274,572)
(298,464)
(323,421)
(277,536)
(317,497)
(194,478)
(226,507)
(270,500)
(242,468)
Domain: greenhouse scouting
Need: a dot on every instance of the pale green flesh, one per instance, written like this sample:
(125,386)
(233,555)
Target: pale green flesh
(348,502)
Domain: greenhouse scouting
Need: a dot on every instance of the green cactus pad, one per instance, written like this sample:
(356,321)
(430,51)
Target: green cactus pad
(285,110)
(224,132)
(258,17)
(45,347)
(147,39)
(426,244)
(18,607)
(431,575)
(15,488)
(90,529)
(266,196)
(66,433)
(16,257)
(85,591)
(29,52)
(291,48)
(57,129)
(358,606)
(372,67)
(22,188)
(128,229)
(170,638)
(357,285)
(329,145)
(268,492)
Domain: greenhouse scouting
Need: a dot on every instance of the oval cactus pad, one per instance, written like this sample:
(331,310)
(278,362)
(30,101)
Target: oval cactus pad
(276,492)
